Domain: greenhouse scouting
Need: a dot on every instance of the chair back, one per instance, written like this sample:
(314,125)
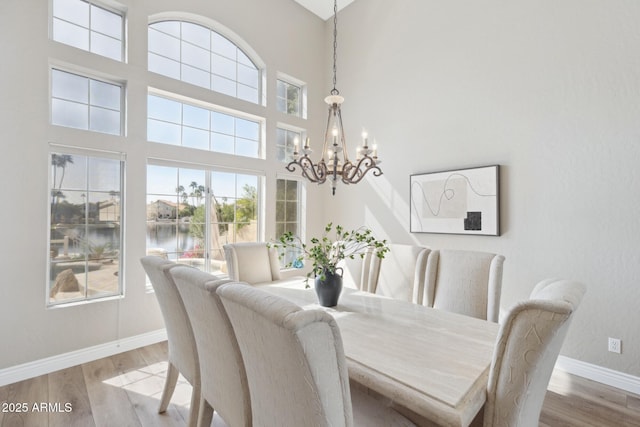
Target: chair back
(183,352)
(464,282)
(252,262)
(294,359)
(223,379)
(400,274)
(526,350)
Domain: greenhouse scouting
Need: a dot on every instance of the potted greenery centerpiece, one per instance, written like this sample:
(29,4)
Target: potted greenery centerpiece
(325,252)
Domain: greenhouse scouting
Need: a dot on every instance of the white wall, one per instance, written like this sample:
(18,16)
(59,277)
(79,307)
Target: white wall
(550,90)
(284,35)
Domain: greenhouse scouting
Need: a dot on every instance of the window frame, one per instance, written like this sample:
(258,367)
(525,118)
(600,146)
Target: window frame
(108,6)
(95,154)
(209,171)
(90,77)
(222,31)
(292,81)
(301,211)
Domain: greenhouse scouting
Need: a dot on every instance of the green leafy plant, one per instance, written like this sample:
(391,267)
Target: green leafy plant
(325,252)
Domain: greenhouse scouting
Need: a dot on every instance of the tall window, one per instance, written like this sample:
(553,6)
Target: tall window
(85,229)
(173,122)
(285,143)
(90,27)
(85,103)
(289,98)
(192,213)
(288,212)
(197,55)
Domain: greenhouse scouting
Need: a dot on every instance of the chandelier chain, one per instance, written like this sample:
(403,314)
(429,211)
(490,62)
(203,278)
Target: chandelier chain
(335,46)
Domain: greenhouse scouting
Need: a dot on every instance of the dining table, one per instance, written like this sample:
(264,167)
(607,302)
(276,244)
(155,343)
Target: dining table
(431,363)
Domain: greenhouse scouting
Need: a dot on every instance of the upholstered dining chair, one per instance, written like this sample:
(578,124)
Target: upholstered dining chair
(526,350)
(464,282)
(224,386)
(296,366)
(401,273)
(252,262)
(183,354)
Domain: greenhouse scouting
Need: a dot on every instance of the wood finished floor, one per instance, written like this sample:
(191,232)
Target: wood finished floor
(124,390)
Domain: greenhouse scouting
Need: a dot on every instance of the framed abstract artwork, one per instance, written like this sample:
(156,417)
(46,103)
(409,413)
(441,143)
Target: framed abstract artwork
(463,201)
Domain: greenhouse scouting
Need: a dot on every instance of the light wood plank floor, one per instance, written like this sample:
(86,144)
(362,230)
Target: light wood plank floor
(124,390)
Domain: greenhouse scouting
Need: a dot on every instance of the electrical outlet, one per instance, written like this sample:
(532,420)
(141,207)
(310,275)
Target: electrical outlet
(615,345)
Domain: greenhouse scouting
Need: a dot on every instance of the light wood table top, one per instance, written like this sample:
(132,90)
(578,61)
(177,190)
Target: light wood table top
(432,362)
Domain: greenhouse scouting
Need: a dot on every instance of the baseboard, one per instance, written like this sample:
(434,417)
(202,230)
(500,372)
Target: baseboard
(599,374)
(73,358)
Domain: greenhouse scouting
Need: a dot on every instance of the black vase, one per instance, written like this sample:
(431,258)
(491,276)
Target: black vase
(328,290)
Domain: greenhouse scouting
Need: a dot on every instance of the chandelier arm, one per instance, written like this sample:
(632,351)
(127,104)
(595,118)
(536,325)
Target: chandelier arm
(314,173)
(355,173)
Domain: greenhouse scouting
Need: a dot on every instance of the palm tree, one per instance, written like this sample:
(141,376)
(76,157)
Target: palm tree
(58,161)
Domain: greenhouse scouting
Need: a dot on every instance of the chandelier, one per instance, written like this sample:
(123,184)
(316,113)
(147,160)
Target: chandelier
(334,163)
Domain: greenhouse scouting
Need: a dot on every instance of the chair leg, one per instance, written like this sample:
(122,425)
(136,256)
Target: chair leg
(169,387)
(194,408)
(206,414)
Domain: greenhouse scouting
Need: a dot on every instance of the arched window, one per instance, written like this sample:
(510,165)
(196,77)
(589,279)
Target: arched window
(200,56)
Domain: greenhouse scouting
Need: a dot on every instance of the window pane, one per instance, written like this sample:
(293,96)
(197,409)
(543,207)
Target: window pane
(169,27)
(106,22)
(105,95)
(247,129)
(222,143)
(166,133)
(164,109)
(70,86)
(196,34)
(106,46)
(164,44)
(195,56)
(222,85)
(164,66)
(248,76)
(244,59)
(70,34)
(195,116)
(161,179)
(247,93)
(105,175)
(103,120)
(222,123)
(222,46)
(69,114)
(195,76)
(75,11)
(223,67)
(195,138)
(247,148)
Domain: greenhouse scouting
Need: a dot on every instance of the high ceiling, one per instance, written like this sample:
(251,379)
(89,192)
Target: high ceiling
(323,8)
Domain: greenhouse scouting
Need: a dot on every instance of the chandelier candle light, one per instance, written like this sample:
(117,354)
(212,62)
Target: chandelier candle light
(337,166)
